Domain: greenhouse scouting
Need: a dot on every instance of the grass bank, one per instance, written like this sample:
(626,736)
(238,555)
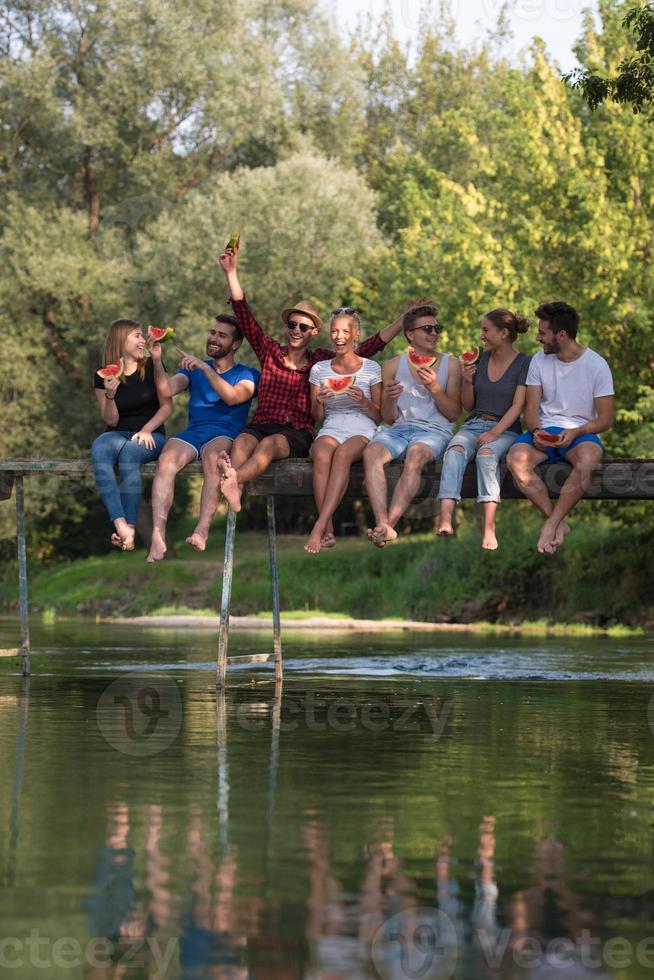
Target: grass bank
(598,579)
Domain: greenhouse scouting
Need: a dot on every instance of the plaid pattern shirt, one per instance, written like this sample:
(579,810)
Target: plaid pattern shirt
(284,394)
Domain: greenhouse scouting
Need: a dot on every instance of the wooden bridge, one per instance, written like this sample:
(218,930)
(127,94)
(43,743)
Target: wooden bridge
(615,479)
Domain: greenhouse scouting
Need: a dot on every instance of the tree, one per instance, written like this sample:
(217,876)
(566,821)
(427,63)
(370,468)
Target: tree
(634,82)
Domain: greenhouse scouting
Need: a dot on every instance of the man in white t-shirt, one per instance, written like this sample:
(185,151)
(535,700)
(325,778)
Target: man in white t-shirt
(569,401)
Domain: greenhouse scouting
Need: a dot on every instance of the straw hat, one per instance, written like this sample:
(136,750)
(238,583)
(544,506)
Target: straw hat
(306,309)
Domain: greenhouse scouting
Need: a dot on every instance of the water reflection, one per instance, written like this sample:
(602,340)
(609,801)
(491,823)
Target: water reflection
(255,848)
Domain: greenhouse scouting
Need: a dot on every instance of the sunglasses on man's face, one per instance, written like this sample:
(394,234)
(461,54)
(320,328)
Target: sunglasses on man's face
(430,328)
(292,324)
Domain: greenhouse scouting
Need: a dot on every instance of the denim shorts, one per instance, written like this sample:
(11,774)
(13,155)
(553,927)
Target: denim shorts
(554,454)
(400,436)
(201,434)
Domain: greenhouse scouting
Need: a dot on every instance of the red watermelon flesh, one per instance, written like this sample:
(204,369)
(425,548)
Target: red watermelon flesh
(339,385)
(470,357)
(160,334)
(112,370)
(420,360)
(551,438)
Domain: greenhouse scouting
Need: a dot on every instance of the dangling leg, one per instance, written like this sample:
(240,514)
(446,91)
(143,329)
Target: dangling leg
(346,454)
(210,491)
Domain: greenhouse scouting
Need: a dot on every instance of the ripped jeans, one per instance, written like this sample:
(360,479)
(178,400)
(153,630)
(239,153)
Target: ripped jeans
(488,464)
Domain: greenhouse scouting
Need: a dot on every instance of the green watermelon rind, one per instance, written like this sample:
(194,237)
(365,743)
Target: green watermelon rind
(167,333)
(113,374)
(467,360)
(420,360)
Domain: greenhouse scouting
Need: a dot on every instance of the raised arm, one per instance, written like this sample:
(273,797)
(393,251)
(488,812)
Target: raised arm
(166,387)
(236,394)
(258,340)
(378,341)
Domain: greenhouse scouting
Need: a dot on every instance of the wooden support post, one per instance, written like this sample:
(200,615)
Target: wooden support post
(223,771)
(228,568)
(22,575)
(274,576)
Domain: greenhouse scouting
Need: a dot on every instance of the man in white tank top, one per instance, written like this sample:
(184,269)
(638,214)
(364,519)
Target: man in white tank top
(420,406)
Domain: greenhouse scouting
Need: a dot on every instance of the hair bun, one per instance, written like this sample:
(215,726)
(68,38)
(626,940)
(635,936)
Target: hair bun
(522,323)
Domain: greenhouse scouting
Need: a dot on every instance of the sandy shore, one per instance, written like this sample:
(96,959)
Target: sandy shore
(312,623)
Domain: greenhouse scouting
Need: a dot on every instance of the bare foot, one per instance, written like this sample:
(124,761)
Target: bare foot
(445,530)
(157,547)
(198,540)
(230,488)
(489,541)
(546,542)
(123,536)
(328,540)
(224,462)
(314,544)
(382,534)
(561,531)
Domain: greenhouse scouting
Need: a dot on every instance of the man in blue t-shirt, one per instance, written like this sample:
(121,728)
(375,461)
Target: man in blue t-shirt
(221,393)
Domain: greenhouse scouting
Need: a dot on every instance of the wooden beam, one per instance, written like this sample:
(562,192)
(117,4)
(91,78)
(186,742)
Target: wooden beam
(615,479)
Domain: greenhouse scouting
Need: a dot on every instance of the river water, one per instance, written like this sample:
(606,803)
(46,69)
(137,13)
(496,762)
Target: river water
(411,806)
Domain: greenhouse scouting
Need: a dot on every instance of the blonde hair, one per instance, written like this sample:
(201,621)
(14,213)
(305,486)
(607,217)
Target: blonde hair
(114,344)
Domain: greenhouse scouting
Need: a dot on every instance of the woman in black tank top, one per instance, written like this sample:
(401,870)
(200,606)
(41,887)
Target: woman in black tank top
(135,433)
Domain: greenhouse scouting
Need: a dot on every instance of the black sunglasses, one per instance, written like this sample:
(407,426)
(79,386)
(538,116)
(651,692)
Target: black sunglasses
(429,328)
(292,324)
(347,310)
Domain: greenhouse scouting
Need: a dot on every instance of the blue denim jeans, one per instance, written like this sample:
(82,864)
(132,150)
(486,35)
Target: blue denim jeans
(122,496)
(488,465)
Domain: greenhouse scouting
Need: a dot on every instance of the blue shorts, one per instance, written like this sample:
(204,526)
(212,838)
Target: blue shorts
(400,436)
(200,434)
(554,454)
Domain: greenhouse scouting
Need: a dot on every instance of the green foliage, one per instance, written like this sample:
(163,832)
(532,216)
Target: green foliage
(138,135)
(633,84)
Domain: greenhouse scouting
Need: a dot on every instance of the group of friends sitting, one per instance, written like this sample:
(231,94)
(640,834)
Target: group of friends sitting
(362,410)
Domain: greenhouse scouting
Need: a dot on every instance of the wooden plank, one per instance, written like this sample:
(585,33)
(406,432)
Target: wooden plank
(615,479)
(624,479)
(73,467)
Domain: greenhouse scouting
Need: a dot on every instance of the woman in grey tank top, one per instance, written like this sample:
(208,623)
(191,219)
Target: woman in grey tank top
(493,392)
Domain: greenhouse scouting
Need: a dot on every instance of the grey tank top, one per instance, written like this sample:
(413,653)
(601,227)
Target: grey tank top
(416,404)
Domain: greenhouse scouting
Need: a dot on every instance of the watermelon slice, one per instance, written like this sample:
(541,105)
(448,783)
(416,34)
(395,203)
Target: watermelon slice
(339,385)
(551,438)
(420,360)
(160,334)
(234,243)
(112,370)
(470,357)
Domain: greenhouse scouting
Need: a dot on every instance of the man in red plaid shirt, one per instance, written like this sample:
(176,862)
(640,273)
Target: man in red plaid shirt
(282,425)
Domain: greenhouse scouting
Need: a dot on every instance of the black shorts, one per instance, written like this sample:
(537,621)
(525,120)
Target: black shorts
(299,440)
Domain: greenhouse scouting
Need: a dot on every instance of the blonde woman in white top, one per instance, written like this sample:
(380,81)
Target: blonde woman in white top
(349,418)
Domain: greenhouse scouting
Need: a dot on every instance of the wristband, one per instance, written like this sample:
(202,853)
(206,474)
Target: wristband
(112,398)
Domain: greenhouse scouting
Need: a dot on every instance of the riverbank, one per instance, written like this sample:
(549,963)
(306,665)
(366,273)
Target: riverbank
(597,580)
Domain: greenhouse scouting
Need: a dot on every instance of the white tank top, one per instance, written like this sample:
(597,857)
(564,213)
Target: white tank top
(416,404)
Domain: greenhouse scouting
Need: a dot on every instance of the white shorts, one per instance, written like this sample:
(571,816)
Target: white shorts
(344,426)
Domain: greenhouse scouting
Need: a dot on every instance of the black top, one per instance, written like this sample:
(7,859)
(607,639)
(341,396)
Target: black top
(136,400)
(496,397)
